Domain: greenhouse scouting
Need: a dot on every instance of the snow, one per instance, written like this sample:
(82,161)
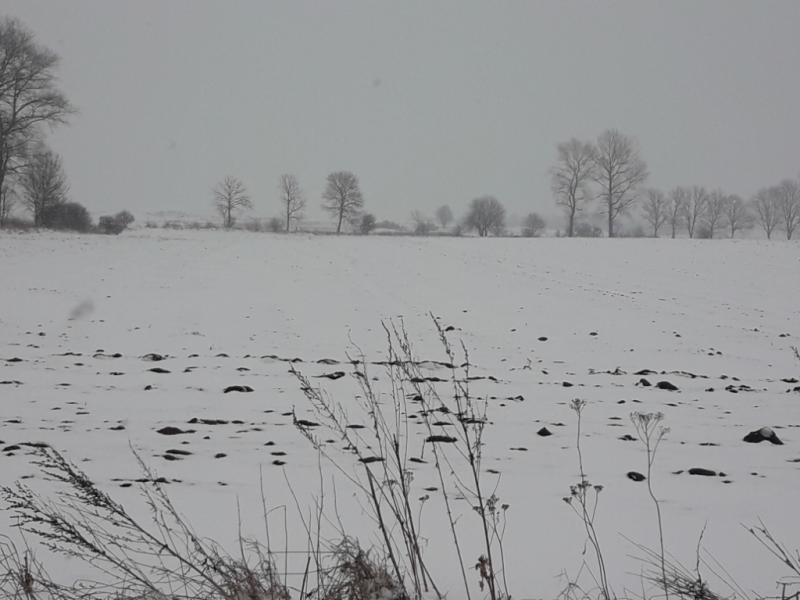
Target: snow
(218,302)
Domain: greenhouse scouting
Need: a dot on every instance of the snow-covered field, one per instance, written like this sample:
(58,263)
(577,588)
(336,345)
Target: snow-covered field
(717,317)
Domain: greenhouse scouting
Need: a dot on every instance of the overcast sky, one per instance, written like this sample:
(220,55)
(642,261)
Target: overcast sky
(427,102)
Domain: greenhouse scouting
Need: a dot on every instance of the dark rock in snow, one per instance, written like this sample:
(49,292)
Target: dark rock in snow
(735,389)
(544,432)
(237,388)
(644,383)
(153,357)
(765,434)
(627,438)
(445,439)
(666,385)
(701,471)
(170,430)
(333,376)
(195,420)
(635,476)
(158,370)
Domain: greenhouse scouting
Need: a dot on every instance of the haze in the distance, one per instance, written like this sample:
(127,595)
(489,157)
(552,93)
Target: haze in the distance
(428,103)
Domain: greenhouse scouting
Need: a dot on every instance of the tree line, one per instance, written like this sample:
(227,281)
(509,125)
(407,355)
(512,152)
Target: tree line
(610,174)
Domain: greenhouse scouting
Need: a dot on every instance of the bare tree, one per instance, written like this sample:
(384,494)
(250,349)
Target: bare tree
(533,225)
(570,178)
(8,199)
(694,207)
(342,198)
(28,97)
(230,196)
(619,173)
(655,208)
(714,214)
(444,215)
(422,224)
(789,205)
(766,205)
(293,199)
(44,186)
(486,214)
(737,215)
(678,196)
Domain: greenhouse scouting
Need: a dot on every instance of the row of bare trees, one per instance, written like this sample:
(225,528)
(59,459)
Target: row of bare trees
(704,213)
(611,170)
(342,198)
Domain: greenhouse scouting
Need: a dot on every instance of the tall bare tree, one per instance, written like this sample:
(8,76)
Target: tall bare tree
(655,208)
(444,215)
(714,214)
(342,197)
(737,215)
(230,196)
(44,186)
(293,199)
(570,178)
(8,199)
(486,214)
(694,207)
(28,97)
(619,173)
(766,206)
(789,205)
(677,198)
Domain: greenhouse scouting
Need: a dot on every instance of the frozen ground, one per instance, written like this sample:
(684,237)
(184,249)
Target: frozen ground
(78,313)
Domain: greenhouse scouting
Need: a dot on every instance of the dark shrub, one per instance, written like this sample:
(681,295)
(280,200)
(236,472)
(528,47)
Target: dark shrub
(71,216)
(367,223)
(116,224)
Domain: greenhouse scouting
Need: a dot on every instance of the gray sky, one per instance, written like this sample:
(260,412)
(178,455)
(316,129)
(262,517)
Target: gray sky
(429,103)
